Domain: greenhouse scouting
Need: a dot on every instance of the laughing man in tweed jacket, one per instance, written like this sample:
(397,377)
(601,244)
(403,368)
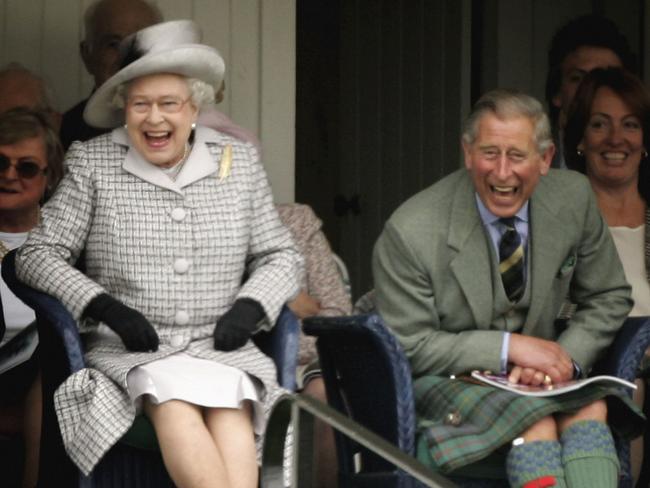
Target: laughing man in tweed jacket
(439,287)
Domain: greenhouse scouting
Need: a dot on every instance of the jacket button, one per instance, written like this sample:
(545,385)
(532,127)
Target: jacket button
(453,418)
(178,214)
(181,265)
(182,318)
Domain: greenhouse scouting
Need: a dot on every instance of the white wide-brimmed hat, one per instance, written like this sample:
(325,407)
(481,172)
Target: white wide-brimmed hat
(168,47)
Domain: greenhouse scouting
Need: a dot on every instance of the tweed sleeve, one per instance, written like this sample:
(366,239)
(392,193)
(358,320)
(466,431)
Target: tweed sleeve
(406,301)
(598,286)
(46,260)
(274,265)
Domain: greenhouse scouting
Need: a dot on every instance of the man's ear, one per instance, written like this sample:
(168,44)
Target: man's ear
(547,159)
(84,51)
(467,153)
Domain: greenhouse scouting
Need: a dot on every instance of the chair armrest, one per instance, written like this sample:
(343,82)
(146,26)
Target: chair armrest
(49,313)
(626,352)
(372,363)
(281,345)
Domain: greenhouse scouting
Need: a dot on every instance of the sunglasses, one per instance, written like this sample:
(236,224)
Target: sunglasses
(25,169)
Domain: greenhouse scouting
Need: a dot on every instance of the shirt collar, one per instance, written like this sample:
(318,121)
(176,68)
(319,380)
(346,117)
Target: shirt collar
(489,218)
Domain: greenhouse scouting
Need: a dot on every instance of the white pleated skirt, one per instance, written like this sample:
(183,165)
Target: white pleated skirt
(197,381)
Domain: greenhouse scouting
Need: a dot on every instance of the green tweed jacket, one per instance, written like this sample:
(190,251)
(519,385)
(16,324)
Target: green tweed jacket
(433,281)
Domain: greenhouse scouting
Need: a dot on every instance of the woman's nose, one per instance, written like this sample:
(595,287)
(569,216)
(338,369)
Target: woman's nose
(615,135)
(9,173)
(155,115)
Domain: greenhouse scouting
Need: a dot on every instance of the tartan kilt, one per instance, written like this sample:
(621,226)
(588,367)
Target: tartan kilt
(461,422)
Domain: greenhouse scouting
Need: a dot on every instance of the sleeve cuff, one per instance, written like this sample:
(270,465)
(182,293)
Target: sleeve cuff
(504,353)
(577,370)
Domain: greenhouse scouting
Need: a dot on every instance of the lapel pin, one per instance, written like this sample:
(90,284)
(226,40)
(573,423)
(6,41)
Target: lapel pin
(226,162)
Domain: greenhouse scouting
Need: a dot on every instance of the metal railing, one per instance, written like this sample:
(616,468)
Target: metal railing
(299,411)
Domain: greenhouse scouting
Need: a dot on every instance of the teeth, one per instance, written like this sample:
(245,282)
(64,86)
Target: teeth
(614,155)
(503,189)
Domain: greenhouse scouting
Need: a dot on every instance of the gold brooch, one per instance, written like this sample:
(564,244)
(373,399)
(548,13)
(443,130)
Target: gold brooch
(226,162)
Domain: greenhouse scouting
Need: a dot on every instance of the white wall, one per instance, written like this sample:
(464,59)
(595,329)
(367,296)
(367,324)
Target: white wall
(255,37)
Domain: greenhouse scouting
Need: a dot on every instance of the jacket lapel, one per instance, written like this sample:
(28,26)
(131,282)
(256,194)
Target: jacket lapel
(199,164)
(135,164)
(545,217)
(471,266)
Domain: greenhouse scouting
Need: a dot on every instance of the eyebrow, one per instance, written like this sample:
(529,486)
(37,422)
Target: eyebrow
(607,116)
(507,150)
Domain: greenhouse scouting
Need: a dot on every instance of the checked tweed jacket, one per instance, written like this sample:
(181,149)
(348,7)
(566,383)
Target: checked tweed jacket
(177,251)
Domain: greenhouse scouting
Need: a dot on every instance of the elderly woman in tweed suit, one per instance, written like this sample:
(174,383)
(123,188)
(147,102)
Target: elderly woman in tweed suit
(172,217)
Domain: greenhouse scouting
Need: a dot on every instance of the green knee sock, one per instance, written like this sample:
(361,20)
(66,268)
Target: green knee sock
(534,460)
(589,456)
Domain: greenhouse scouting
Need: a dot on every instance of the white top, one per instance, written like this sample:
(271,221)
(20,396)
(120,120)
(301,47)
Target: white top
(630,244)
(17,315)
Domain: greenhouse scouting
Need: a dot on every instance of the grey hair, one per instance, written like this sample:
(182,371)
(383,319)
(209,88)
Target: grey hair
(91,19)
(201,93)
(46,102)
(505,104)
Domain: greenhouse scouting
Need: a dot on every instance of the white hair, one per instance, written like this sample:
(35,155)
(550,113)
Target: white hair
(201,93)
(510,103)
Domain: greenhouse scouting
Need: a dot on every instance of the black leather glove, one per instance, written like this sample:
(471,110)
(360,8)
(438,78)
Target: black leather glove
(236,326)
(134,329)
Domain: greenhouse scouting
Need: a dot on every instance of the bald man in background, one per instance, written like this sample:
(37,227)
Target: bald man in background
(19,87)
(106,23)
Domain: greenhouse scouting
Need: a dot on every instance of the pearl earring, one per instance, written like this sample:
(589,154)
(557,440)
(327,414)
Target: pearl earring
(579,152)
(645,154)
(125,127)
(193,125)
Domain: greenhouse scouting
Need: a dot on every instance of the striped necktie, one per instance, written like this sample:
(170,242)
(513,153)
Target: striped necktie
(511,261)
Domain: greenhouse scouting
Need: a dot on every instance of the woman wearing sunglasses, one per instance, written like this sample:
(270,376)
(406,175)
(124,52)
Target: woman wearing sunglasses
(30,168)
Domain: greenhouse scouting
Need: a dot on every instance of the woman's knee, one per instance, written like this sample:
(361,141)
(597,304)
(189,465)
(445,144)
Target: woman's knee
(315,388)
(172,410)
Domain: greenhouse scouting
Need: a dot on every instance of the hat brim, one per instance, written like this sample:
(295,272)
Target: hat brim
(192,61)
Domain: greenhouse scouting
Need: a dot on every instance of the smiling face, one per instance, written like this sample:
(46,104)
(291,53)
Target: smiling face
(20,196)
(613,141)
(160,137)
(504,163)
(574,67)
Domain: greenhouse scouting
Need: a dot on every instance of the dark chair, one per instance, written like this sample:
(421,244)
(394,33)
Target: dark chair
(135,461)
(368,378)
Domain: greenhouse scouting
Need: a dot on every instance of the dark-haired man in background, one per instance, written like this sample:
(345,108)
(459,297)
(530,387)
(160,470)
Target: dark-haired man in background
(582,44)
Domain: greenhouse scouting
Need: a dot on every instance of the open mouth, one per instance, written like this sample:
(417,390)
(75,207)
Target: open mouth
(614,156)
(504,191)
(157,139)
